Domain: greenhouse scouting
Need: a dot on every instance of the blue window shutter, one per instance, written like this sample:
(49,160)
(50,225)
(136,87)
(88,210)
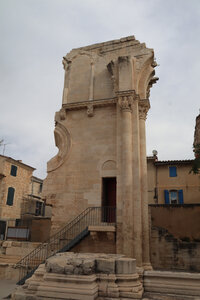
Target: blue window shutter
(172,172)
(180,196)
(10,196)
(166,192)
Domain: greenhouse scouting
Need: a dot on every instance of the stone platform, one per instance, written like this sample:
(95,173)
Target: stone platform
(83,277)
(167,285)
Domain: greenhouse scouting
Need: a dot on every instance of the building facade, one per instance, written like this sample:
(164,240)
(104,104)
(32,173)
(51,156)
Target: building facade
(14,184)
(100,133)
(20,198)
(172,182)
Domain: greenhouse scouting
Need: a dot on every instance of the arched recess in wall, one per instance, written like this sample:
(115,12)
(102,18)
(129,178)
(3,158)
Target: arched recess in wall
(63,143)
(108,168)
(146,74)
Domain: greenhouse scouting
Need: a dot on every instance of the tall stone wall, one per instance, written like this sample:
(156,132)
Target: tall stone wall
(97,242)
(100,133)
(175,237)
(40,230)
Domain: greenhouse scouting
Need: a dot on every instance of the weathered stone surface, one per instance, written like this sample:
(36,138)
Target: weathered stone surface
(175,244)
(56,265)
(106,266)
(68,269)
(104,107)
(82,277)
(125,266)
(179,285)
(88,266)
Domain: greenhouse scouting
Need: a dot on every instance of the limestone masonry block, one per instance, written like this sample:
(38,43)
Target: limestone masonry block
(83,276)
(106,266)
(125,266)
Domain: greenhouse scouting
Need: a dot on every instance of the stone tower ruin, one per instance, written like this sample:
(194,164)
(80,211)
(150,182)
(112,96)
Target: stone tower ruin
(197,131)
(100,134)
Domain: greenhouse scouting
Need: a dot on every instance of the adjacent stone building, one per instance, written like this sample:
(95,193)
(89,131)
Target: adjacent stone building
(20,199)
(14,184)
(100,133)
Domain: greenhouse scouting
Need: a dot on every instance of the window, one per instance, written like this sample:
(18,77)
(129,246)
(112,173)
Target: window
(40,188)
(172,172)
(173,196)
(39,210)
(10,196)
(17,222)
(13,170)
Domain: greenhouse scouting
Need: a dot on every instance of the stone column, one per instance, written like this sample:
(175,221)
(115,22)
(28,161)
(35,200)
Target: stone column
(91,88)
(137,214)
(125,103)
(143,109)
(67,68)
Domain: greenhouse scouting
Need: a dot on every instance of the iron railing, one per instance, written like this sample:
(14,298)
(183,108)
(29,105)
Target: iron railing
(65,238)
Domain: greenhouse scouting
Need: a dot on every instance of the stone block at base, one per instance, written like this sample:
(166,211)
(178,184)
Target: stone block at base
(180,285)
(65,276)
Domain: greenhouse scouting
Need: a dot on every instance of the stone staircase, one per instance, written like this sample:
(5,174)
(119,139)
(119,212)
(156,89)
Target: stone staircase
(66,238)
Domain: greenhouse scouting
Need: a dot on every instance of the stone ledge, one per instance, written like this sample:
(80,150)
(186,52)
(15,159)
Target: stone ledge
(102,228)
(179,284)
(94,103)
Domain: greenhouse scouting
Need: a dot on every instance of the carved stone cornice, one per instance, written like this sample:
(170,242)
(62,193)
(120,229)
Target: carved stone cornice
(60,115)
(88,104)
(126,99)
(144,106)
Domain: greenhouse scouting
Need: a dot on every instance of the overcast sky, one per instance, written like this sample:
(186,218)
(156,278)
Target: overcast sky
(36,34)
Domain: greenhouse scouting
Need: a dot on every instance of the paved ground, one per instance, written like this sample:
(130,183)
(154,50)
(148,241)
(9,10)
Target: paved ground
(6,287)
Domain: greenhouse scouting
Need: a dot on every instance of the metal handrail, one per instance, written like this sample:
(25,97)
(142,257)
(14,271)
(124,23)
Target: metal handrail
(65,236)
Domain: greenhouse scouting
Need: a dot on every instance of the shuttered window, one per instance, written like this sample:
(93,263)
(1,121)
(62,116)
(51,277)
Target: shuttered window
(10,196)
(173,196)
(166,192)
(180,196)
(13,170)
(172,172)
